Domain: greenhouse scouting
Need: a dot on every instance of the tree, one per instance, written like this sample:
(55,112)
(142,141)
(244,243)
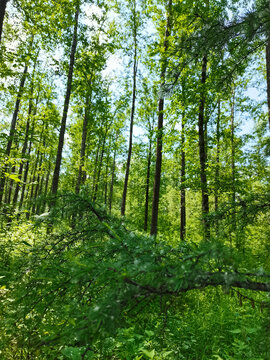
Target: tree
(14,123)
(2,15)
(154,220)
(55,180)
(134,29)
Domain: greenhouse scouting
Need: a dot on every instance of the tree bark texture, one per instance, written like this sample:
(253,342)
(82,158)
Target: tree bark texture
(268,75)
(3,4)
(25,143)
(26,170)
(12,131)
(83,145)
(112,182)
(55,180)
(183,178)
(217,157)
(202,151)
(149,158)
(135,66)
(100,163)
(156,191)
(233,158)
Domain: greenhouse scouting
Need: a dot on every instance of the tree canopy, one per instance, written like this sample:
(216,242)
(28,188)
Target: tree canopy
(134,179)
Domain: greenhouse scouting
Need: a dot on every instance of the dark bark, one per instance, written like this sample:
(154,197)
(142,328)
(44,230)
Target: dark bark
(25,143)
(156,191)
(100,163)
(217,158)
(39,195)
(112,182)
(149,158)
(135,65)
(233,160)
(3,4)
(10,186)
(106,180)
(202,151)
(96,165)
(183,178)
(12,132)
(83,146)
(268,74)
(55,180)
(36,188)
(26,170)
(33,184)
(43,206)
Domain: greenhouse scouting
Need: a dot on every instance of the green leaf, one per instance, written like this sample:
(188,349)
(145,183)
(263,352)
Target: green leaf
(149,354)
(72,353)
(235,331)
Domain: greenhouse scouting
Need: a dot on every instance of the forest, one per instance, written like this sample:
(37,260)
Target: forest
(134,179)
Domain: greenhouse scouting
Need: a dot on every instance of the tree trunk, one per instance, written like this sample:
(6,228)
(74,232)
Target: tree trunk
(112,182)
(217,158)
(106,180)
(183,178)
(233,159)
(202,151)
(268,74)
(135,66)
(26,170)
(96,165)
(12,132)
(39,195)
(149,158)
(83,145)
(3,4)
(100,166)
(55,180)
(38,185)
(43,206)
(33,180)
(27,128)
(10,185)
(154,220)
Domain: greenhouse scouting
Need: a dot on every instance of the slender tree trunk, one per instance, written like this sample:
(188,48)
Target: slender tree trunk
(202,151)
(100,166)
(106,180)
(26,170)
(3,4)
(38,185)
(149,158)
(33,177)
(43,206)
(156,191)
(30,197)
(233,159)
(268,74)
(55,180)
(217,158)
(96,165)
(40,201)
(12,132)
(27,128)
(135,66)
(183,179)
(112,182)
(83,145)
(10,185)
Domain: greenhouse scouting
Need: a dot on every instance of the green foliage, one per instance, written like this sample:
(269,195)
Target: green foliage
(101,290)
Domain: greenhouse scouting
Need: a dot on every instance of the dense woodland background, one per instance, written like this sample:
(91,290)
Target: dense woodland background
(134,179)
